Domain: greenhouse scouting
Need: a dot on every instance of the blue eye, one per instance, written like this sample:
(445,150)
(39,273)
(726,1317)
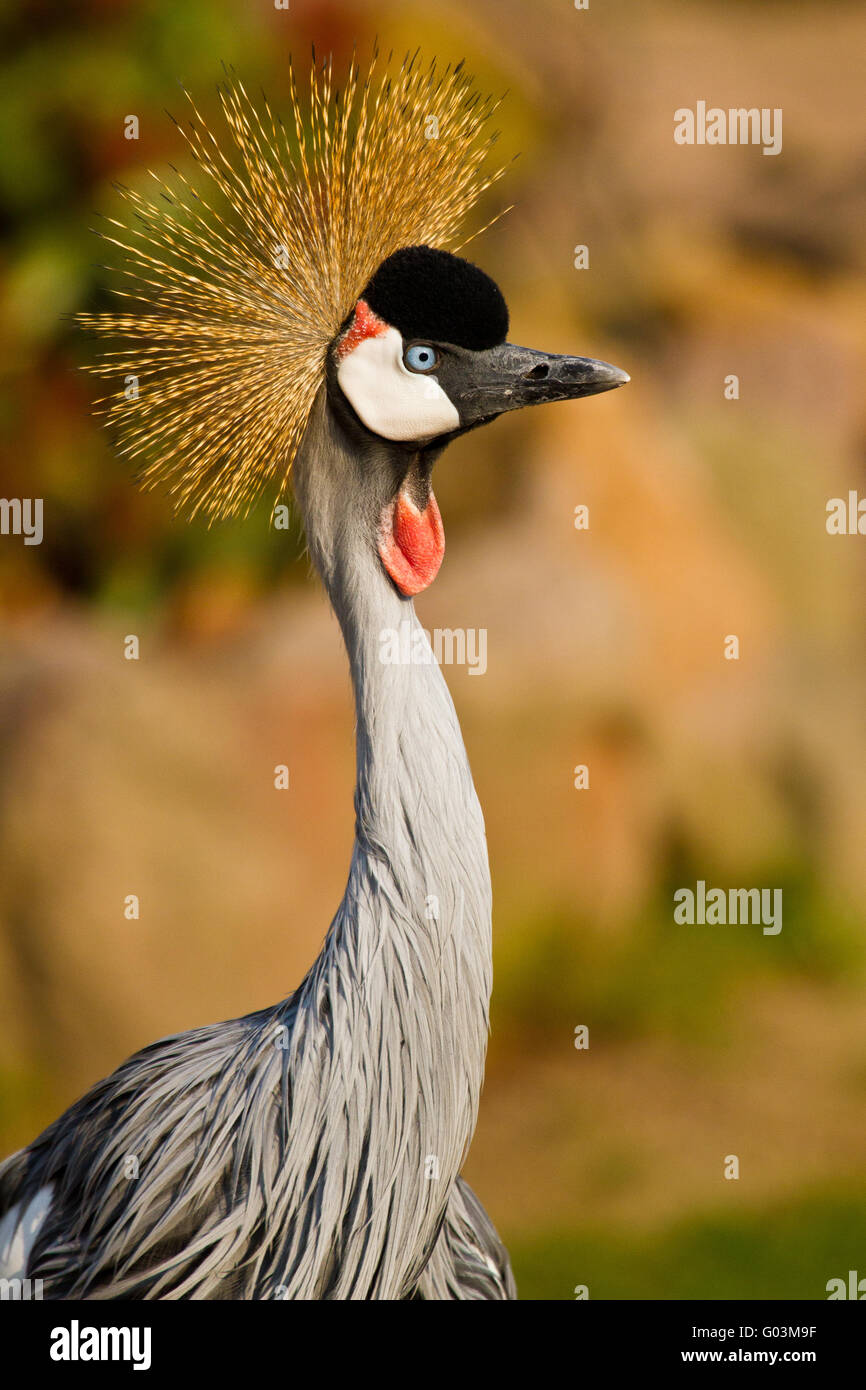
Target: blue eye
(421,357)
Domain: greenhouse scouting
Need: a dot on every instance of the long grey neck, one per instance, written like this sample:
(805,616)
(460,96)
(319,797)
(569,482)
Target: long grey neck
(415,803)
(404,977)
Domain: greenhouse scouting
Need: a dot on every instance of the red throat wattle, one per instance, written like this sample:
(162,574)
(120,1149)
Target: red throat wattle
(411,543)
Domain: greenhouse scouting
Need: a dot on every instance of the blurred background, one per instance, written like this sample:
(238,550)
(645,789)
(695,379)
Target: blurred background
(605,647)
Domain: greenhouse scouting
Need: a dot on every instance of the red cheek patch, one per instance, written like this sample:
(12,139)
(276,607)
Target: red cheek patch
(365,324)
(411,543)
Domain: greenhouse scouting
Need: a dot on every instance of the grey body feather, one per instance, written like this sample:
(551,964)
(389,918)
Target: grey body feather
(312,1150)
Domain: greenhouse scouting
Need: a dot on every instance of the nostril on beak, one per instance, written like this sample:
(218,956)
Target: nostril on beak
(538,373)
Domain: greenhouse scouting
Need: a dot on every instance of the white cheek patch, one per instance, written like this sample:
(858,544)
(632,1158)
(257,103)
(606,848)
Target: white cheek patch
(392,401)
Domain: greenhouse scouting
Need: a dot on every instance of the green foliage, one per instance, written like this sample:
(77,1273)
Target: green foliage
(788,1251)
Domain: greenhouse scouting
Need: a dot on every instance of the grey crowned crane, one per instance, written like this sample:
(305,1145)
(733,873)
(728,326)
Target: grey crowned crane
(307,311)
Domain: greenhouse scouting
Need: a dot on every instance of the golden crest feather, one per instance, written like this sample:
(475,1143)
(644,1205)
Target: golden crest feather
(238,287)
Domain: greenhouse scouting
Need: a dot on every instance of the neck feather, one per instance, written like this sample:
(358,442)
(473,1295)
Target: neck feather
(403,980)
(414,795)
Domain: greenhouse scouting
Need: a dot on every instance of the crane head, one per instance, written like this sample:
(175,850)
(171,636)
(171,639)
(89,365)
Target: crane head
(291,262)
(422,358)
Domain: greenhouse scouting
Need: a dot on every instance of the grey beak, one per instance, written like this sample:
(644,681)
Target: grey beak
(509,377)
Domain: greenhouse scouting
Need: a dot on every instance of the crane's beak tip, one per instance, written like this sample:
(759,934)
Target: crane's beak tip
(598,376)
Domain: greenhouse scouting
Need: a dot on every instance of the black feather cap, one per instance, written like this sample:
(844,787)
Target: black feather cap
(438,297)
